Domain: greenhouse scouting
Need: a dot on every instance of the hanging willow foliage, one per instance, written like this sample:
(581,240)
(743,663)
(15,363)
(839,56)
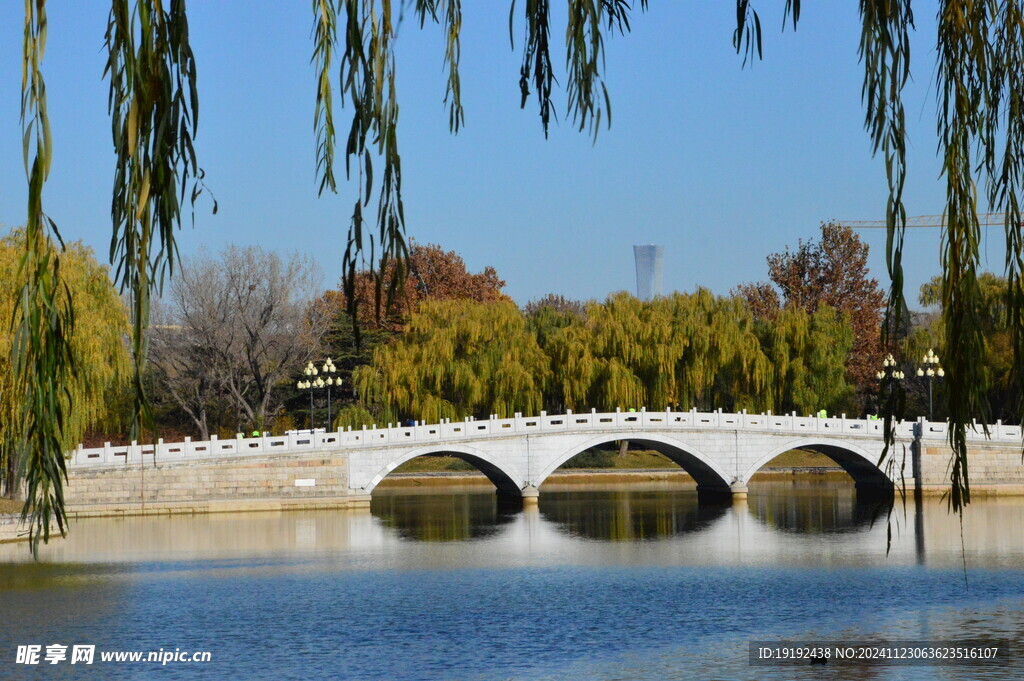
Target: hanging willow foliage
(154,110)
(43,319)
(980,77)
(97,350)
(367,80)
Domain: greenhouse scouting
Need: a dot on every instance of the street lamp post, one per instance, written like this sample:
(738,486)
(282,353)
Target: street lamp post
(318,382)
(890,373)
(889,369)
(931,369)
(329,369)
(309,384)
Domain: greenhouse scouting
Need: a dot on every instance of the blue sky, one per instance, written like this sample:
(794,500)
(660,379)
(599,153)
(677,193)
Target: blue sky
(720,164)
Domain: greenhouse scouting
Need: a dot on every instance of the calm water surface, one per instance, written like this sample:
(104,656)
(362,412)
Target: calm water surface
(630,582)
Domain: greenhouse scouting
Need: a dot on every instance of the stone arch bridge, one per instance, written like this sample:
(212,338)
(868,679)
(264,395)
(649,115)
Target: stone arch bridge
(721,451)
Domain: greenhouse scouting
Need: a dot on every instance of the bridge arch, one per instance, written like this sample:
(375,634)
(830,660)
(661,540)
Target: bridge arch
(859,463)
(501,474)
(706,472)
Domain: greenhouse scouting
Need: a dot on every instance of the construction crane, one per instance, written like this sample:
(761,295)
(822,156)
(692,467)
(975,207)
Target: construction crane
(984,220)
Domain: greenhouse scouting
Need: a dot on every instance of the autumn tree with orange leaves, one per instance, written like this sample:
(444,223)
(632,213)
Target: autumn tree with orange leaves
(834,272)
(432,274)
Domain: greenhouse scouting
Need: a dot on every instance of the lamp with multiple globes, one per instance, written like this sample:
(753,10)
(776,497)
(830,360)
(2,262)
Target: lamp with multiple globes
(314,381)
(889,369)
(931,370)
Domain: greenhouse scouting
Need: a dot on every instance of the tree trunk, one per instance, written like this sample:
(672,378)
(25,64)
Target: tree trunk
(623,448)
(10,479)
(204,428)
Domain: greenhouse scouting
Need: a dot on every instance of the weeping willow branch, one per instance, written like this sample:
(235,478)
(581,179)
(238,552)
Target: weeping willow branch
(963,72)
(585,58)
(536,66)
(1004,113)
(452,53)
(885,52)
(154,109)
(747,36)
(368,82)
(43,319)
(324,39)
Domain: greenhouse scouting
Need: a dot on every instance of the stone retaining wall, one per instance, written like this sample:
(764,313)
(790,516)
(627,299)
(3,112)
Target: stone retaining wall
(994,468)
(264,483)
(10,530)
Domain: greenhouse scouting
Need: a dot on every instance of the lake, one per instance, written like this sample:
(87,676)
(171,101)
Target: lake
(624,581)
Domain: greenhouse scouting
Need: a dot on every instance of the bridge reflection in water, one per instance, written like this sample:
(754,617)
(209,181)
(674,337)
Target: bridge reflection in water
(819,525)
(628,515)
(628,512)
(444,517)
(800,506)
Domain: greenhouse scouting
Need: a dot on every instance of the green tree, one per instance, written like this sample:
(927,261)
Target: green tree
(353,416)
(434,274)
(458,358)
(680,351)
(552,312)
(993,314)
(808,357)
(97,346)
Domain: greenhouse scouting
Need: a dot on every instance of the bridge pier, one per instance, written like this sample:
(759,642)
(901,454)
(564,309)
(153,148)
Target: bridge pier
(527,496)
(720,494)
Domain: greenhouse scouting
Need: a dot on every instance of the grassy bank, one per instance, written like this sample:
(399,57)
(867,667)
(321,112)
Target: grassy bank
(10,506)
(604,459)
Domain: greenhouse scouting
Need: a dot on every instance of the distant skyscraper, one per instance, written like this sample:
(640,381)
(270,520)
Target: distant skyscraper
(648,270)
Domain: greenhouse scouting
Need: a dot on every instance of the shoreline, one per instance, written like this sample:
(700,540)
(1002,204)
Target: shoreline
(12,531)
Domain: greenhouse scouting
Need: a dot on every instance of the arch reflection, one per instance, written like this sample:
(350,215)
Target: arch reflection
(627,515)
(437,516)
(808,507)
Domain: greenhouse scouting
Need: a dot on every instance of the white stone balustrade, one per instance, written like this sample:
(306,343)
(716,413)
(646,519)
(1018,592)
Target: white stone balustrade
(471,430)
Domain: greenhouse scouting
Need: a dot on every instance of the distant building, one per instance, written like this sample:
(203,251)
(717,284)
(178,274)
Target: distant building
(649,260)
